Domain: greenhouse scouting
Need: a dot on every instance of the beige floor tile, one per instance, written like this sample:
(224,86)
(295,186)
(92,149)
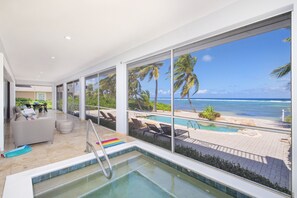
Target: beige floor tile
(65,146)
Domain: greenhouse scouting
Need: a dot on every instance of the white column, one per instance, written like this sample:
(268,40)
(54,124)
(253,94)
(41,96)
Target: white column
(294,100)
(12,98)
(82,98)
(121,98)
(65,97)
(1,102)
(54,97)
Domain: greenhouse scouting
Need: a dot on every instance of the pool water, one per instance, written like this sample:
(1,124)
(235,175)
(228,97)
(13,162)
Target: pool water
(193,124)
(126,185)
(134,175)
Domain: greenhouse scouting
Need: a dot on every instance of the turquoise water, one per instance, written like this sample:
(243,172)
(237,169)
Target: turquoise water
(125,187)
(193,124)
(256,108)
(134,175)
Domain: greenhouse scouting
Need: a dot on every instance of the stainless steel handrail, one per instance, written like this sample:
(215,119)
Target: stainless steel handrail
(90,145)
(194,126)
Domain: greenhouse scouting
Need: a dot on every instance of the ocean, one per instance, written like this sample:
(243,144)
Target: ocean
(245,107)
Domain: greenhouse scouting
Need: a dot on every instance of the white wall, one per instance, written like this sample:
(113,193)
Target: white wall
(54,97)
(5,72)
(82,101)
(64,97)
(1,102)
(121,98)
(294,100)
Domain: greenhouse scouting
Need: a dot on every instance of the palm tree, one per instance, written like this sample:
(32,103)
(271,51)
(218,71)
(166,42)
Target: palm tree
(152,71)
(184,76)
(134,86)
(108,85)
(282,70)
(145,99)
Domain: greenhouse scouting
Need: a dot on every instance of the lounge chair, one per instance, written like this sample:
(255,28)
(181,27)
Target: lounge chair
(153,129)
(177,132)
(137,124)
(112,117)
(105,116)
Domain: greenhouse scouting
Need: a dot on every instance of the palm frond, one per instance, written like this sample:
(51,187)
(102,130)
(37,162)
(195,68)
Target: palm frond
(281,71)
(177,85)
(287,39)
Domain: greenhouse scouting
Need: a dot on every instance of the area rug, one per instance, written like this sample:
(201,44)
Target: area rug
(111,142)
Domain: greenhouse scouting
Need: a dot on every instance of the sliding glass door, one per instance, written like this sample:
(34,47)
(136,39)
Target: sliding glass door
(149,103)
(101,98)
(73,98)
(92,87)
(60,97)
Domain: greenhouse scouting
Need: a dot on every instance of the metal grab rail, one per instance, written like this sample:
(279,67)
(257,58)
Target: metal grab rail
(89,145)
(191,125)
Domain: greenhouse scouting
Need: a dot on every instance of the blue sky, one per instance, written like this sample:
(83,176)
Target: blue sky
(239,69)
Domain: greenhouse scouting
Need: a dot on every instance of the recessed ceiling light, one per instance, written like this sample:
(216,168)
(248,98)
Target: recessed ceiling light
(53,57)
(67,37)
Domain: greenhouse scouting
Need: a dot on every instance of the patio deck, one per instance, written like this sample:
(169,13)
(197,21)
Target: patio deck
(265,153)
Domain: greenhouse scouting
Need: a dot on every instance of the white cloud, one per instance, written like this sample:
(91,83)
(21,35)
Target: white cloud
(218,92)
(207,58)
(164,92)
(202,91)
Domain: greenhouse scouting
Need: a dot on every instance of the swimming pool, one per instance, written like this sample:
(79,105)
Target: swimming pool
(193,124)
(135,173)
(21,184)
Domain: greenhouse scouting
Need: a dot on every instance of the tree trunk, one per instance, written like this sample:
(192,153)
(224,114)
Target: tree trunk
(156,96)
(139,105)
(190,102)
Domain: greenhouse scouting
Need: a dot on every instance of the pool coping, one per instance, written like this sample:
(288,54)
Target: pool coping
(20,184)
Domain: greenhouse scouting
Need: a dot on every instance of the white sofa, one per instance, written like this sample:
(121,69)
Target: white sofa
(32,131)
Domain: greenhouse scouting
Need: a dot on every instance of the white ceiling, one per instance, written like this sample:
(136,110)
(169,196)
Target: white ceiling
(32,31)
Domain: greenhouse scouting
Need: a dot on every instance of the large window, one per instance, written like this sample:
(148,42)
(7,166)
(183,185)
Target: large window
(232,102)
(107,99)
(60,97)
(149,99)
(92,87)
(101,98)
(73,98)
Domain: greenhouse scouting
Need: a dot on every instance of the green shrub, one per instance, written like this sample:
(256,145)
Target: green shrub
(134,105)
(162,106)
(229,167)
(209,113)
(109,102)
(288,119)
(23,101)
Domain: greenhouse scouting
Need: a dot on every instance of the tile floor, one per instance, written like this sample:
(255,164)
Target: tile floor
(65,146)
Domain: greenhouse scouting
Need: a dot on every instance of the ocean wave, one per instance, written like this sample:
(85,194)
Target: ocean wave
(231,100)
